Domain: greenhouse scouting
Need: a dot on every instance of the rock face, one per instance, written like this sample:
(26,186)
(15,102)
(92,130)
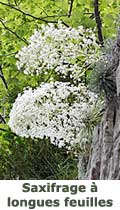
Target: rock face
(104,161)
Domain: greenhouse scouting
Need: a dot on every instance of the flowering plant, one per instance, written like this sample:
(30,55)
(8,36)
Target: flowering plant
(65,50)
(55,110)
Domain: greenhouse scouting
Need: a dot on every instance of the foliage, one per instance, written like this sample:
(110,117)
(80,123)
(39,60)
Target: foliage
(101,78)
(55,110)
(21,158)
(18,20)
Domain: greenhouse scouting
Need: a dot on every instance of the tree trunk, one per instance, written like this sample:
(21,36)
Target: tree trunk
(104,161)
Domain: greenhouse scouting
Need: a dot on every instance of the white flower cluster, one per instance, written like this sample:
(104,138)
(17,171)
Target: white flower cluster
(65,50)
(55,110)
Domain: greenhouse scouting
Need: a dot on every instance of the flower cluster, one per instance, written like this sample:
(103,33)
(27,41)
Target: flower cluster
(55,110)
(64,50)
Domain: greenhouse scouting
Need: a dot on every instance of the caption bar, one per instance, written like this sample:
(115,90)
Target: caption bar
(82,194)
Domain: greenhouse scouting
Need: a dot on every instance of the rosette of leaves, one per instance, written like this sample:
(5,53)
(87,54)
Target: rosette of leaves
(102,77)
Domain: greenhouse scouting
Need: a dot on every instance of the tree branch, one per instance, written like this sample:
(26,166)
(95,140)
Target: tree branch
(13,32)
(2,120)
(26,14)
(2,129)
(3,78)
(70,9)
(31,16)
(9,54)
(98,22)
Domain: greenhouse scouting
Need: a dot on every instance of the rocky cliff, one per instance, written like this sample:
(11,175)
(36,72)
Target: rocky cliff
(104,161)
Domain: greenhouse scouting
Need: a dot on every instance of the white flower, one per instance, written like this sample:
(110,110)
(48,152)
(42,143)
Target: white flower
(65,50)
(55,110)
